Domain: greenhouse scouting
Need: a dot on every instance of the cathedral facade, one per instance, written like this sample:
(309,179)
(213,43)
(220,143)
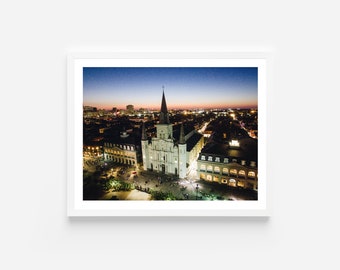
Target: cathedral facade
(165,154)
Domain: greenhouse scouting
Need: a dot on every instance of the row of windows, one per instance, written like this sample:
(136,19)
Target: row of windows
(217,159)
(161,148)
(226,171)
(122,146)
(121,160)
(120,153)
(230,182)
(226,160)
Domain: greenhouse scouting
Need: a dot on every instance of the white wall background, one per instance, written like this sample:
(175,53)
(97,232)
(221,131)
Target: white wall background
(303,145)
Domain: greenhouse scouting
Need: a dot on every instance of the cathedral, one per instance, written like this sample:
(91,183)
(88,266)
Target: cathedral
(166,154)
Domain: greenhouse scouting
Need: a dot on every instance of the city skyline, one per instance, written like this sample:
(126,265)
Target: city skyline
(185,88)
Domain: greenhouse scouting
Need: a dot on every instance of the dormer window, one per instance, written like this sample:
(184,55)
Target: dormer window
(234,143)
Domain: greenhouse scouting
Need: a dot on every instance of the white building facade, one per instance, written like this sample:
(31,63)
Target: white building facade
(163,153)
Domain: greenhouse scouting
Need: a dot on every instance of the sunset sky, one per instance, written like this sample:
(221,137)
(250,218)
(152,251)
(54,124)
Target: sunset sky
(185,88)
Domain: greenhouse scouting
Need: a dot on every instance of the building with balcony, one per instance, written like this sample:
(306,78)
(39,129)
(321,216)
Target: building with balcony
(124,149)
(233,163)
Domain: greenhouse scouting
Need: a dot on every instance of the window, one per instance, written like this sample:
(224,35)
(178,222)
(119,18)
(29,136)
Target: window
(243,162)
(210,158)
(217,159)
(225,171)
(241,173)
(202,168)
(217,169)
(226,160)
(209,168)
(233,171)
(202,157)
(251,174)
(252,163)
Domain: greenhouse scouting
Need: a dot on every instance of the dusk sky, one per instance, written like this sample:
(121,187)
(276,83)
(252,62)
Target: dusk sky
(185,88)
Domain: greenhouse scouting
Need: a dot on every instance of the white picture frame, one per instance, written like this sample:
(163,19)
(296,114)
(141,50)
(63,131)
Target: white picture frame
(76,206)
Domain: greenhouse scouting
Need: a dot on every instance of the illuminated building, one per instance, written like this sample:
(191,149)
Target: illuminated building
(122,149)
(92,150)
(233,163)
(166,154)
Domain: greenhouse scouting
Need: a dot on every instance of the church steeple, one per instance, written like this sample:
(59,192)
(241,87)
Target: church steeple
(181,135)
(164,115)
(144,136)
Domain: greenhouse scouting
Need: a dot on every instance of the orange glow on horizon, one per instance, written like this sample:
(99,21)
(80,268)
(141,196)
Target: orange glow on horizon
(177,107)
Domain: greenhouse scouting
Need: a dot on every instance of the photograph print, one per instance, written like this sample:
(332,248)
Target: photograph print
(170,133)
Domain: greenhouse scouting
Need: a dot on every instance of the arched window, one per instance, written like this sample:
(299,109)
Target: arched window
(217,169)
(202,168)
(251,174)
(209,168)
(233,171)
(225,171)
(232,182)
(241,173)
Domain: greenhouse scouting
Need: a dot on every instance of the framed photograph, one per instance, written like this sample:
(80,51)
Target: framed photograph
(167,134)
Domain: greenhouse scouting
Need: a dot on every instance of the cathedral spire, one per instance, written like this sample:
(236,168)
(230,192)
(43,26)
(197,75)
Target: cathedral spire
(144,136)
(181,135)
(164,115)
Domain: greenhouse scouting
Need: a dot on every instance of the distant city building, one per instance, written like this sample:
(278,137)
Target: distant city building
(130,109)
(166,154)
(92,150)
(89,109)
